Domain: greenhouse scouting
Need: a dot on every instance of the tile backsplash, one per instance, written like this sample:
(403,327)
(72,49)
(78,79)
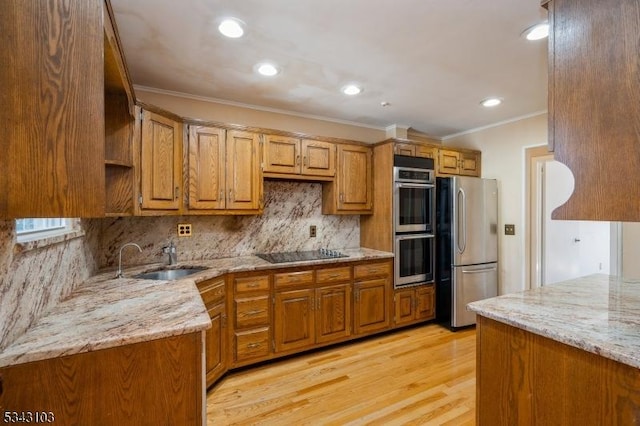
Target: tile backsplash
(290,209)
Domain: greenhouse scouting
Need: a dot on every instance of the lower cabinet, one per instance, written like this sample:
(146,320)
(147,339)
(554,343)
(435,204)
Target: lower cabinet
(414,304)
(251,337)
(333,313)
(372,295)
(213,295)
(158,382)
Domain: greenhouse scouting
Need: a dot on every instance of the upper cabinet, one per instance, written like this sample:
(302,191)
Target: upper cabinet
(160,163)
(458,162)
(53,109)
(244,176)
(293,158)
(207,162)
(594,93)
(351,191)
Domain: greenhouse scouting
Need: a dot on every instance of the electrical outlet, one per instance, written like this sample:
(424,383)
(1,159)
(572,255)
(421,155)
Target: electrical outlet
(312,231)
(184,230)
(509,230)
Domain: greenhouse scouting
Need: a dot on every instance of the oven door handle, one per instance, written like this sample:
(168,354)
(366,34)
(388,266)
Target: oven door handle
(414,185)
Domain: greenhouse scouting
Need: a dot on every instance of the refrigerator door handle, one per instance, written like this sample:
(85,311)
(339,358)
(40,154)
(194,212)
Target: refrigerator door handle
(478,271)
(462,221)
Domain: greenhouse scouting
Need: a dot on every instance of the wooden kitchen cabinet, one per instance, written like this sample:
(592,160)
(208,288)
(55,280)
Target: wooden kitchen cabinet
(58,73)
(294,158)
(294,319)
(458,162)
(594,90)
(160,163)
(244,175)
(414,304)
(351,192)
(372,295)
(252,319)
(213,295)
(333,313)
(407,149)
(149,383)
(207,168)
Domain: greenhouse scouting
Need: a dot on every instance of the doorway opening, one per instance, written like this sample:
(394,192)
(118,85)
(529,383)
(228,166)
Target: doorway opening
(560,250)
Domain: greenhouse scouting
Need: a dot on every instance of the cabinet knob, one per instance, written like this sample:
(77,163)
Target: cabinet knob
(297,160)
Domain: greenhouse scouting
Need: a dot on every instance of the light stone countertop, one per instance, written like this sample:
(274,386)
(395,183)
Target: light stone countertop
(598,313)
(105,312)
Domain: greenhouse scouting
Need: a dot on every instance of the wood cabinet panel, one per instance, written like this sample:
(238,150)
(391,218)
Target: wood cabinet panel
(405,311)
(318,158)
(373,269)
(333,313)
(244,176)
(371,306)
(351,192)
(212,291)
(251,344)
(405,149)
(251,284)
(161,162)
(251,311)
(215,344)
(53,127)
(281,154)
(524,378)
(289,279)
(448,162)
(414,304)
(112,386)
(207,165)
(294,319)
(426,151)
(333,275)
(593,97)
(425,302)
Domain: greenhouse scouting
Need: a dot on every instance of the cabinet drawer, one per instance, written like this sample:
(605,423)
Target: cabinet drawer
(252,311)
(372,270)
(212,291)
(252,343)
(333,275)
(289,279)
(249,284)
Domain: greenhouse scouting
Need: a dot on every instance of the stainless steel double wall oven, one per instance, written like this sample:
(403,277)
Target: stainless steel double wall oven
(414,220)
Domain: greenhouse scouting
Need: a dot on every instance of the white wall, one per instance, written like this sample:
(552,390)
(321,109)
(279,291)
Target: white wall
(503,158)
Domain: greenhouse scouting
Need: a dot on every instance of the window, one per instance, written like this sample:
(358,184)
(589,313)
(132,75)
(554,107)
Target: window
(34,229)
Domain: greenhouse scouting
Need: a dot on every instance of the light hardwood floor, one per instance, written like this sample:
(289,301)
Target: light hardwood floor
(418,376)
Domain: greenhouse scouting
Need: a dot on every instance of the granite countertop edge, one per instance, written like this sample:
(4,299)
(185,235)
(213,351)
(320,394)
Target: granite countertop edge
(105,312)
(587,323)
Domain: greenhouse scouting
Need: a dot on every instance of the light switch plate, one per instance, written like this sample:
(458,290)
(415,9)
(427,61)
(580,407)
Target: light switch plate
(509,230)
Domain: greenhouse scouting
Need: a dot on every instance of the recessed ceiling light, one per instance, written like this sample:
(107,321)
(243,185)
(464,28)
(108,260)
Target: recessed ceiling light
(231,27)
(267,69)
(491,102)
(537,32)
(351,89)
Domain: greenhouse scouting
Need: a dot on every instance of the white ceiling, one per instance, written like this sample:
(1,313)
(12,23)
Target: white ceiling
(432,60)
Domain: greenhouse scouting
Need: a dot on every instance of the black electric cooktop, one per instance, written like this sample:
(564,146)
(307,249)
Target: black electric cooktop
(300,256)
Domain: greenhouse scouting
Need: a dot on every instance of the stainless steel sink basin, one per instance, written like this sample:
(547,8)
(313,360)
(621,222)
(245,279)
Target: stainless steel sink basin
(168,274)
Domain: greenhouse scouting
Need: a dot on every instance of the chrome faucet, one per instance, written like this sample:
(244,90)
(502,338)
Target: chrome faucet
(171,251)
(120,274)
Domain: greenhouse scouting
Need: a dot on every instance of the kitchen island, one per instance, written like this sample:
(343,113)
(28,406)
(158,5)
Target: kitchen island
(567,353)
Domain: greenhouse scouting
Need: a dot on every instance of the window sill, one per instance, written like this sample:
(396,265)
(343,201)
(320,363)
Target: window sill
(25,246)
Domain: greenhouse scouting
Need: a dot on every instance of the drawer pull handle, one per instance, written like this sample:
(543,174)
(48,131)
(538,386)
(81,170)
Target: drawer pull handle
(254,312)
(254,345)
(253,285)
(334,276)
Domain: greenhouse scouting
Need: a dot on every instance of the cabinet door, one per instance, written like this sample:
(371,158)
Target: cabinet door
(333,313)
(405,149)
(371,306)
(426,151)
(161,162)
(448,162)
(470,164)
(53,129)
(294,322)
(425,302)
(244,178)
(318,158)
(281,154)
(206,168)
(216,344)
(354,178)
(405,307)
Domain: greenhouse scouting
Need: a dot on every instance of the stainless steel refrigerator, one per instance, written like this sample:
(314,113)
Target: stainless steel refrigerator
(467,246)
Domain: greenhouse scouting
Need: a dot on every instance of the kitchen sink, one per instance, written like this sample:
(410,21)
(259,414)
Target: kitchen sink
(169,274)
